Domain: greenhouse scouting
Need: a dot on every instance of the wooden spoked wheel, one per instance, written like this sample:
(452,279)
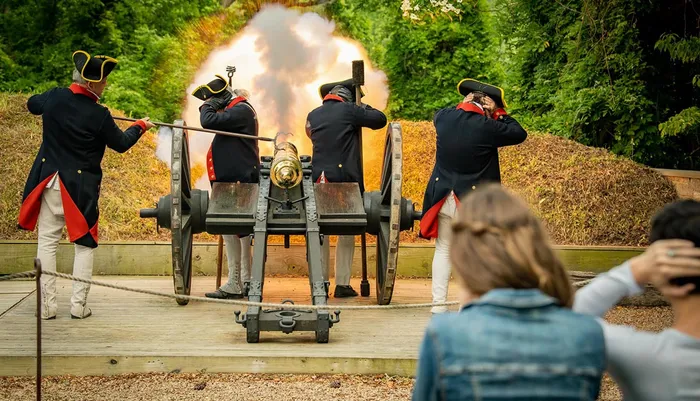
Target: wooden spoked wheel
(181,212)
(390,216)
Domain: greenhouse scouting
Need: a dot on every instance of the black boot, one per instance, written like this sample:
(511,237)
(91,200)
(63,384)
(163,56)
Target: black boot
(218,294)
(344,291)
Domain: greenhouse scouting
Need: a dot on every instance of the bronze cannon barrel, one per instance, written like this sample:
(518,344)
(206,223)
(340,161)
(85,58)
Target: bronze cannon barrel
(285,170)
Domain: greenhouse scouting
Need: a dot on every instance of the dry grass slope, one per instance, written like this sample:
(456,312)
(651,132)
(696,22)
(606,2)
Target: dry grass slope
(585,196)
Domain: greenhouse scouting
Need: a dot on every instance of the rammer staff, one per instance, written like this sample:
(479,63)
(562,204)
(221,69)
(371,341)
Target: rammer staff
(212,131)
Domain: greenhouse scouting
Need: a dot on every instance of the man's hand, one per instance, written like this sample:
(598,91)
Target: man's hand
(665,260)
(147,122)
(219,102)
(489,105)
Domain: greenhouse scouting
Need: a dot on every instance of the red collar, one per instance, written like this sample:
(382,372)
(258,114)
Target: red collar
(79,90)
(333,97)
(235,101)
(470,107)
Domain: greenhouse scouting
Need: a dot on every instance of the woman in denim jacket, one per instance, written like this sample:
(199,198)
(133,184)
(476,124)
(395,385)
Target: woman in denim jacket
(516,338)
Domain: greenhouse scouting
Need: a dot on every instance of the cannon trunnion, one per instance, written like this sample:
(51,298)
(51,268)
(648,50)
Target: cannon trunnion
(286,202)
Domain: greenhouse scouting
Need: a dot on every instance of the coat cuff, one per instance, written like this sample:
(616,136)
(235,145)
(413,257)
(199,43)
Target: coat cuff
(499,113)
(140,124)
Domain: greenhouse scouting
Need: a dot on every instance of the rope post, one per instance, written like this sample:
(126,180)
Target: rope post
(37,266)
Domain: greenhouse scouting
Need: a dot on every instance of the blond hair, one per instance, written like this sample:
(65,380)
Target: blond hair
(498,243)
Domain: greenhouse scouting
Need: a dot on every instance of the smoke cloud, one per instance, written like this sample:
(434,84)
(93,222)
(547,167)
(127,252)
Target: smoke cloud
(281,57)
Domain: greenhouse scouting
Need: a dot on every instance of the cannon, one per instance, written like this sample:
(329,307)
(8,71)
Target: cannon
(286,202)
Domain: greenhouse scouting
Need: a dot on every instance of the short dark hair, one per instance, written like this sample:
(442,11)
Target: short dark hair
(677,220)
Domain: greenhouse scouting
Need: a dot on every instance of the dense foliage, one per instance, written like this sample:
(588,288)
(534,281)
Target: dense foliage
(38,37)
(423,61)
(619,74)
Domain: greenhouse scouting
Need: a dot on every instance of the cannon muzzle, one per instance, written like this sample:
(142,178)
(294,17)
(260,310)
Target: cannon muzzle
(286,170)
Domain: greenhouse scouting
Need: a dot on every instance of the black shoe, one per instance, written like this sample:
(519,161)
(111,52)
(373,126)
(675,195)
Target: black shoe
(218,294)
(344,291)
(72,316)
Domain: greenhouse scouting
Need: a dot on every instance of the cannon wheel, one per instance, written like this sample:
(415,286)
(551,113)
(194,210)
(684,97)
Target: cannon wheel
(388,235)
(180,213)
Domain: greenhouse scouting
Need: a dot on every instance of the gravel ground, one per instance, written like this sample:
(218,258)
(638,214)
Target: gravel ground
(250,387)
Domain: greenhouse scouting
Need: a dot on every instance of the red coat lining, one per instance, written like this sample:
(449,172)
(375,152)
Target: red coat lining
(429,221)
(29,211)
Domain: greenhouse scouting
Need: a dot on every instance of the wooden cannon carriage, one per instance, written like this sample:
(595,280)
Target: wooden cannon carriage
(273,208)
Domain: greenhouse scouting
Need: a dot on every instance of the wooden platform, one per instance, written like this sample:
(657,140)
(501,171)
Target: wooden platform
(131,332)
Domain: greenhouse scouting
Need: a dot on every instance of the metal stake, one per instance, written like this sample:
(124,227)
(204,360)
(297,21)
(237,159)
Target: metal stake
(37,266)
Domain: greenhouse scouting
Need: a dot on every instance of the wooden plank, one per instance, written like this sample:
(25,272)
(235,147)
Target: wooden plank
(114,365)
(131,332)
(8,301)
(150,258)
(145,333)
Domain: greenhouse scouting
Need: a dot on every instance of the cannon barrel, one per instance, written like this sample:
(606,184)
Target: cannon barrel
(286,170)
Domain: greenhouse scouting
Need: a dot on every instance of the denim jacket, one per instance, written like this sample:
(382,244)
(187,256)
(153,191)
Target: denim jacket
(511,345)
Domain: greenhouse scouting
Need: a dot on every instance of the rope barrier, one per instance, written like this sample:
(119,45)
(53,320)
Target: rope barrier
(32,273)
(27,274)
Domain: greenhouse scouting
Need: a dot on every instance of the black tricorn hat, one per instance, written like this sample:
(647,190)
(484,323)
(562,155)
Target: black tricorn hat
(93,69)
(206,91)
(324,89)
(467,86)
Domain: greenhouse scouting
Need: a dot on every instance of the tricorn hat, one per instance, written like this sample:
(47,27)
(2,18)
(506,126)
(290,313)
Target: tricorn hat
(207,91)
(93,69)
(324,89)
(467,86)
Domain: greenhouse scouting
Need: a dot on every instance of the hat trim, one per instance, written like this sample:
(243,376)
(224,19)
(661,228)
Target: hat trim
(102,66)
(210,89)
(503,95)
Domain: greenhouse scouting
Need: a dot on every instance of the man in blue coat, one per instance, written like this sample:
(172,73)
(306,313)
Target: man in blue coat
(333,129)
(231,159)
(63,187)
(468,138)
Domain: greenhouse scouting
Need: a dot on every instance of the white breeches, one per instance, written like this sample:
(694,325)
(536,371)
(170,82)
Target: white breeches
(441,258)
(238,257)
(344,253)
(51,222)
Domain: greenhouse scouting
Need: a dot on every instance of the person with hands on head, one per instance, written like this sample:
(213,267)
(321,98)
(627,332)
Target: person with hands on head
(230,159)
(63,186)
(646,365)
(468,138)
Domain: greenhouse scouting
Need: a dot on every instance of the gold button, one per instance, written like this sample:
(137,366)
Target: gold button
(211,168)
(43,160)
(473,187)
(340,165)
(210,159)
(80,172)
(437,178)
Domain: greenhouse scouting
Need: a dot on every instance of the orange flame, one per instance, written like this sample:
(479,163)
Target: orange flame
(257,72)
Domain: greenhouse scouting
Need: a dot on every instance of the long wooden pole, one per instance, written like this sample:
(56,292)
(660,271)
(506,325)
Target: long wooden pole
(358,75)
(211,131)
